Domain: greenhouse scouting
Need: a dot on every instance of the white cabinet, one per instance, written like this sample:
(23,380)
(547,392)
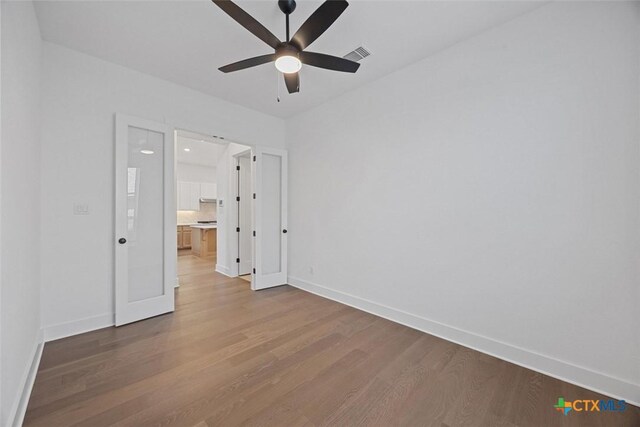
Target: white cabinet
(194,198)
(190,193)
(188,196)
(208,191)
(183,196)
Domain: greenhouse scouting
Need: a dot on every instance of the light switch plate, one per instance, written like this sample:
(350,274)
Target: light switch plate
(80,209)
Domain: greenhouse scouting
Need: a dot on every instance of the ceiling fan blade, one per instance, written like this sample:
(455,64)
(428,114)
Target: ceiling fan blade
(318,22)
(248,22)
(329,62)
(292,80)
(247,63)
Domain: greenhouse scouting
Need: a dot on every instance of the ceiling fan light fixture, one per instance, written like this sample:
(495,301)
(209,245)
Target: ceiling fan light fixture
(288,64)
(290,54)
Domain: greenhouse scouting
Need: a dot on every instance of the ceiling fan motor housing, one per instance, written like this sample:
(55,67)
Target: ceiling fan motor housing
(287,49)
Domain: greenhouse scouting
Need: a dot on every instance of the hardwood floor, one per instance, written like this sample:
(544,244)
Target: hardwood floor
(283,357)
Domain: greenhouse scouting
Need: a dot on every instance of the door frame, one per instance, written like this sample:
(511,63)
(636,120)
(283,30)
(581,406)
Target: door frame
(124,313)
(235,246)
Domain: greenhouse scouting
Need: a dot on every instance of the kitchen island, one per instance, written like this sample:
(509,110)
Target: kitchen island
(204,239)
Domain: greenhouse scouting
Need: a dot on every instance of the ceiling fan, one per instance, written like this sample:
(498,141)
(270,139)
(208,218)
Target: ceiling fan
(290,54)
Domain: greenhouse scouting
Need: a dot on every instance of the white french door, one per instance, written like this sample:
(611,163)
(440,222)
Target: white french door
(269,217)
(145,219)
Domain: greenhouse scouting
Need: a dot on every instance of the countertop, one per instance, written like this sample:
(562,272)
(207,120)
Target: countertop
(204,226)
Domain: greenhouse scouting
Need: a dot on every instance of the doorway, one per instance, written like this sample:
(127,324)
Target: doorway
(240,239)
(197,157)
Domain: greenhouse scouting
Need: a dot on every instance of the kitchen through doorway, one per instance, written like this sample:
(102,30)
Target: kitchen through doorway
(222,225)
(197,158)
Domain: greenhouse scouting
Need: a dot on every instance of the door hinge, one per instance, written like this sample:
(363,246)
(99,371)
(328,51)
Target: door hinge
(238,260)
(254,233)
(237,229)
(238,167)
(254,195)
(238,199)
(254,158)
(254,271)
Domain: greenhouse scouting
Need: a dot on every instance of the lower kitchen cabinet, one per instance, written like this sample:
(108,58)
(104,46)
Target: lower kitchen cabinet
(205,241)
(184,237)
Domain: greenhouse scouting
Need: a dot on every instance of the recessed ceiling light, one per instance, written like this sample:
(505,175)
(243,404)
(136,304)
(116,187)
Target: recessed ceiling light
(146,151)
(187,149)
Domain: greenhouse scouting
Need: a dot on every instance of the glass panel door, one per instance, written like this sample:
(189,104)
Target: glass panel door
(270,218)
(145,219)
(145,216)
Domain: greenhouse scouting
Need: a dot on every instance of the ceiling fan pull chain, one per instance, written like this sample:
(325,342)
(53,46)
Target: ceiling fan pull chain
(277,86)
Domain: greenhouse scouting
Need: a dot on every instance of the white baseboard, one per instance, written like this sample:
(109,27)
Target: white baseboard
(63,330)
(565,371)
(19,407)
(223,270)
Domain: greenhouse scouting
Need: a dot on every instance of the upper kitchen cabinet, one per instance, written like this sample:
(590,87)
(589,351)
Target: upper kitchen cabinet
(208,191)
(188,196)
(190,193)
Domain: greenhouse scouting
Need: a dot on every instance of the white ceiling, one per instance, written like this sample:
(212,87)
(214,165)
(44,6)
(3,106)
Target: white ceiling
(186,41)
(203,150)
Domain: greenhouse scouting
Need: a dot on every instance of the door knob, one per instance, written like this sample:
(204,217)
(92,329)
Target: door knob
(284,231)
(122,240)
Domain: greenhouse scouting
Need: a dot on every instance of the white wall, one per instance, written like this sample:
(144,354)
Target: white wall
(195,173)
(80,96)
(489,194)
(20,215)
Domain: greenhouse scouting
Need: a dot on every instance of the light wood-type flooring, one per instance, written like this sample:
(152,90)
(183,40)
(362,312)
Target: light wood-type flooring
(283,357)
